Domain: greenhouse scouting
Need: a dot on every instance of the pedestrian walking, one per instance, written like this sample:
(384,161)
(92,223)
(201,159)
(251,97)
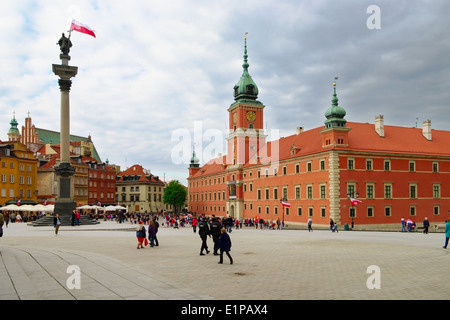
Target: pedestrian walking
(203,231)
(447,233)
(152,233)
(215,233)
(426,224)
(225,245)
(155,221)
(6,217)
(2,221)
(77,218)
(194,224)
(403,225)
(56,223)
(309,225)
(140,235)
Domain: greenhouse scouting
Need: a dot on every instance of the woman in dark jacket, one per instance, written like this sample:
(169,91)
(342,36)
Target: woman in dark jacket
(225,245)
(152,233)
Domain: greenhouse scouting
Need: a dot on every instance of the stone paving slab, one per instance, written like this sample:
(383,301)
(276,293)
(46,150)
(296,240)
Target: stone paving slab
(268,265)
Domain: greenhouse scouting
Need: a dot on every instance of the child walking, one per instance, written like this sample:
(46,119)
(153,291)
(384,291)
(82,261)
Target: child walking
(225,245)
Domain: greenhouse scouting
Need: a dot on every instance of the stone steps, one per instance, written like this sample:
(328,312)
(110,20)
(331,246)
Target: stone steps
(65,221)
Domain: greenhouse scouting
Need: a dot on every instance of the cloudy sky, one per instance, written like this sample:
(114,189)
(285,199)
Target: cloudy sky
(160,74)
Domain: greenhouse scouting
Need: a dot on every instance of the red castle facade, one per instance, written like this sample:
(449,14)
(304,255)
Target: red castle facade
(394,172)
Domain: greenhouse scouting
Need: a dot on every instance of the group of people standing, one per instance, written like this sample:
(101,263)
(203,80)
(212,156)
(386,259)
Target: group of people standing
(141,233)
(409,225)
(216,230)
(212,228)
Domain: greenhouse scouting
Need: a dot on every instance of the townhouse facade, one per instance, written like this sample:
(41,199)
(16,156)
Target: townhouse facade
(18,167)
(140,191)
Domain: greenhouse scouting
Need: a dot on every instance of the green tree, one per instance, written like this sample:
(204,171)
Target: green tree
(175,194)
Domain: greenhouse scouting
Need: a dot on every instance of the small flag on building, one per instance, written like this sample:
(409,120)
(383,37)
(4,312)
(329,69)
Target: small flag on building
(80,27)
(285,204)
(355,201)
(18,202)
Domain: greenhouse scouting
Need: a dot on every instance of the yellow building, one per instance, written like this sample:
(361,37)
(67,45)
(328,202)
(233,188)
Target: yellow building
(18,177)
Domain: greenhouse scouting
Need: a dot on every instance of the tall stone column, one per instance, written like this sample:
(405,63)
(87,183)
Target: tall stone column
(65,204)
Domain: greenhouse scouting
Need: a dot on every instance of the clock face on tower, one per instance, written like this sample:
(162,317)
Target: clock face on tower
(251,116)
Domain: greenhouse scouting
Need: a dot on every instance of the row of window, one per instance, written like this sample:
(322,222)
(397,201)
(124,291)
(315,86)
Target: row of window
(274,195)
(137,188)
(387,165)
(203,196)
(388,190)
(12,179)
(22,193)
(95,174)
(137,198)
(21,166)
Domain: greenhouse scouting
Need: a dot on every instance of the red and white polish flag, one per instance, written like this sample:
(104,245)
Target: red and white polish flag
(285,204)
(355,201)
(80,27)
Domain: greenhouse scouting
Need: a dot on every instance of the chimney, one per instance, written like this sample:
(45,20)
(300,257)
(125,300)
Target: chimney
(379,125)
(426,129)
(299,130)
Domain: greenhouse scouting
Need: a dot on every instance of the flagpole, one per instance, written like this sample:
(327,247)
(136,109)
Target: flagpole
(70,29)
(70,32)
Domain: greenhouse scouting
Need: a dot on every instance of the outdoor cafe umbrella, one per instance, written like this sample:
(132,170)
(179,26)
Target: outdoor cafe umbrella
(11,207)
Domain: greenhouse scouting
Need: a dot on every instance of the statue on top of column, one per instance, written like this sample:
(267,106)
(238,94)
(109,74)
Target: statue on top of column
(64,44)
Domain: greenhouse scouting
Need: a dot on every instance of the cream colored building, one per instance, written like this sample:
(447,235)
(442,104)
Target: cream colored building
(140,191)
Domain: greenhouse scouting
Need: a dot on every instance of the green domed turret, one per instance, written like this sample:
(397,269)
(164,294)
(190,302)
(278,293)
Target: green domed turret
(13,130)
(194,160)
(335,114)
(246,88)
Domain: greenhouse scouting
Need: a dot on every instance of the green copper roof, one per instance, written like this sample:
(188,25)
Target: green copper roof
(335,114)
(53,137)
(14,124)
(194,160)
(246,88)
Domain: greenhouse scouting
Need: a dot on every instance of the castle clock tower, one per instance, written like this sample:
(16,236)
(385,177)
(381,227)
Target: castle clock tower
(245,138)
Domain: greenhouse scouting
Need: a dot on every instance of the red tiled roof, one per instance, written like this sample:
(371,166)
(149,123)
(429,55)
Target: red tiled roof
(138,170)
(52,162)
(396,139)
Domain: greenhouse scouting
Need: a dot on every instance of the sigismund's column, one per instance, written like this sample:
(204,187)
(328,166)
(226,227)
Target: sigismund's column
(64,205)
